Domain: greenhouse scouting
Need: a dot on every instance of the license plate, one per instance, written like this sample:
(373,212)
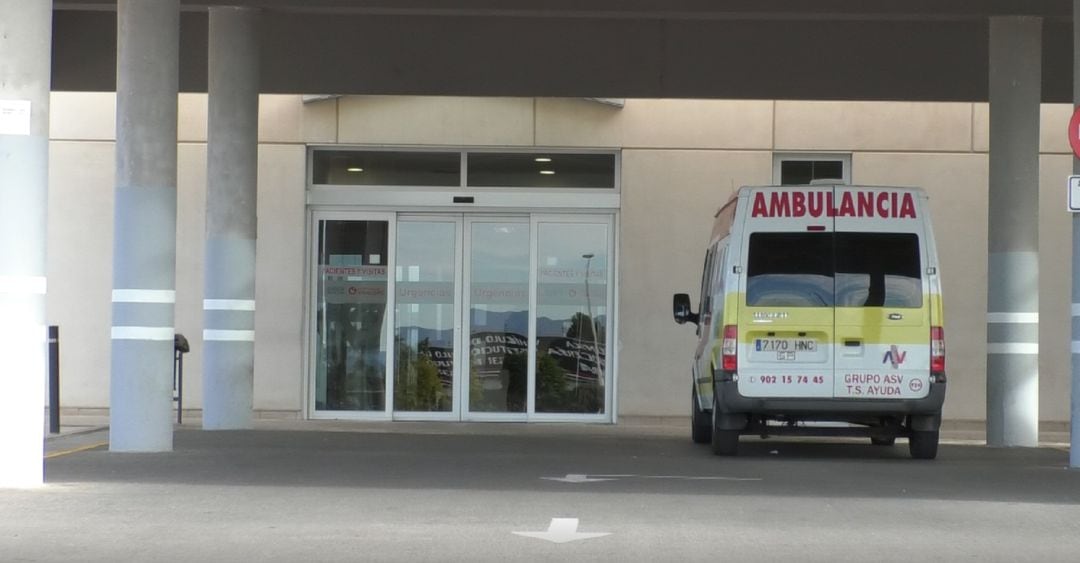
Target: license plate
(785,345)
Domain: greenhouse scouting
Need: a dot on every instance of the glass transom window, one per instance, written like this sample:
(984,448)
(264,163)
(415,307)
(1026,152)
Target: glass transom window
(482,168)
(540,170)
(386,168)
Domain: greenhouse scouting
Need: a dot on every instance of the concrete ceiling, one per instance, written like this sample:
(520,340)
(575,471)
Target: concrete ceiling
(786,49)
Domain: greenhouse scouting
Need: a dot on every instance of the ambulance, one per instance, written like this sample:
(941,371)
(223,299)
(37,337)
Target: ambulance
(820,314)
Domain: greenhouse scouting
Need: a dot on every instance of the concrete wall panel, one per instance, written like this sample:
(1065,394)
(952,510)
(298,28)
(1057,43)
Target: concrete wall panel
(82,116)
(279,278)
(400,120)
(680,124)
(192,111)
(190,248)
(1053,128)
(876,126)
(81,184)
(669,199)
(287,119)
(1055,291)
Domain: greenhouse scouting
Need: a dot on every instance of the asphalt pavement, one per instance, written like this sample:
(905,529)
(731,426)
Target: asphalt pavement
(425,492)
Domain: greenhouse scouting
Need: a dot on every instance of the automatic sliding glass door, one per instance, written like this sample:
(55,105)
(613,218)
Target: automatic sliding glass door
(451,316)
(573,301)
(497,297)
(351,315)
(426,317)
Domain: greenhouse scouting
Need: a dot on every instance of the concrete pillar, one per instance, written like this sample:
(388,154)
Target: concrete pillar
(1012,363)
(1074,445)
(25,58)
(232,154)
(144,247)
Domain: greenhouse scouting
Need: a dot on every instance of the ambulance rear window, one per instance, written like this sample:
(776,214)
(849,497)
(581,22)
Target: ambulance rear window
(834,269)
(878,270)
(790,270)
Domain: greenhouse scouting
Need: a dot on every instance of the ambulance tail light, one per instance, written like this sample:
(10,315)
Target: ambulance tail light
(937,350)
(730,348)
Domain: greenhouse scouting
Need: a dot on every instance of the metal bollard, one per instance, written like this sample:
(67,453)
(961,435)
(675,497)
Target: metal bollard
(54,380)
(180,347)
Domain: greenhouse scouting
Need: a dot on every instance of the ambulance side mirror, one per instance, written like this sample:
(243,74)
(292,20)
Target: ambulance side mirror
(680,307)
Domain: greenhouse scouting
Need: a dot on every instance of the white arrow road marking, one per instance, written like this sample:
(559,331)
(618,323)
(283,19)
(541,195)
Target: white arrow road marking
(583,478)
(562,530)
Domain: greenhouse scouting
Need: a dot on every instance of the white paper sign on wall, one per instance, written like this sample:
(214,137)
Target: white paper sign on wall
(14,117)
(1074,194)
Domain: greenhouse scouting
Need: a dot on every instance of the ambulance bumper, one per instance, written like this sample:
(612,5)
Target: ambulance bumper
(731,401)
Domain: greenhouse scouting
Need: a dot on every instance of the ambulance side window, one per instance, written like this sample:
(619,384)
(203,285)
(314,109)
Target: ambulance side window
(717,288)
(706,285)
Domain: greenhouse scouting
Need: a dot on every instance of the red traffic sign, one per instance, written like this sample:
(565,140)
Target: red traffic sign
(1074,132)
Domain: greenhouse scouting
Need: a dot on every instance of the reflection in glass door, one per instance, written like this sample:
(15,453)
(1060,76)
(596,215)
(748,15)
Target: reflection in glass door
(425,319)
(350,319)
(498,314)
(572,301)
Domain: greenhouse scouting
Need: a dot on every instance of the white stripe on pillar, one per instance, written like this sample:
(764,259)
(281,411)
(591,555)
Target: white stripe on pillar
(1020,318)
(143,296)
(229,304)
(143,333)
(229,335)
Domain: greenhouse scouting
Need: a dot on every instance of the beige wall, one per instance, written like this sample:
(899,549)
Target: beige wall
(681,160)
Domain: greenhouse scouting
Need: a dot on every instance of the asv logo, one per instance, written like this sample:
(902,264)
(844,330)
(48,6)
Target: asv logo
(894,356)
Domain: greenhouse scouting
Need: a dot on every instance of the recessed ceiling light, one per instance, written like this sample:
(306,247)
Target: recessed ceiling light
(547,172)
(354,169)
(543,159)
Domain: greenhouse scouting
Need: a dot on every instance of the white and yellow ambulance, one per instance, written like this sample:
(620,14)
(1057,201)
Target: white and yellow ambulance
(820,314)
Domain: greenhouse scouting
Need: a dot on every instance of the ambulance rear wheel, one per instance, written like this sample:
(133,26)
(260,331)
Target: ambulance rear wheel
(923,444)
(724,441)
(700,422)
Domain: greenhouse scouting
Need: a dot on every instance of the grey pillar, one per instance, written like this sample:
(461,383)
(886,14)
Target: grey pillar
(232,155)
(1074,446)
(1012,363)
(144,246)
(25,52)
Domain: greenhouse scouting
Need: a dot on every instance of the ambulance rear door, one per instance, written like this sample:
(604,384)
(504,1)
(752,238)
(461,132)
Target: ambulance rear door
(785,330)
(882,294)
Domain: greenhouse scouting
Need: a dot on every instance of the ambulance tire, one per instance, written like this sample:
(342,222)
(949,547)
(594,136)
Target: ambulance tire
(724,441)
(923,444)
(700,422)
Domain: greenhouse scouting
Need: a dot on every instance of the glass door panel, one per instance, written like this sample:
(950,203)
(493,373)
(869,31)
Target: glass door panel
(498,315)
(351,316)
(425,315)
(571,317)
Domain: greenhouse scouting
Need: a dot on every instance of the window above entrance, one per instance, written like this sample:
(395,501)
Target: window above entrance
(475,168)
(386,168)
(540,170)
